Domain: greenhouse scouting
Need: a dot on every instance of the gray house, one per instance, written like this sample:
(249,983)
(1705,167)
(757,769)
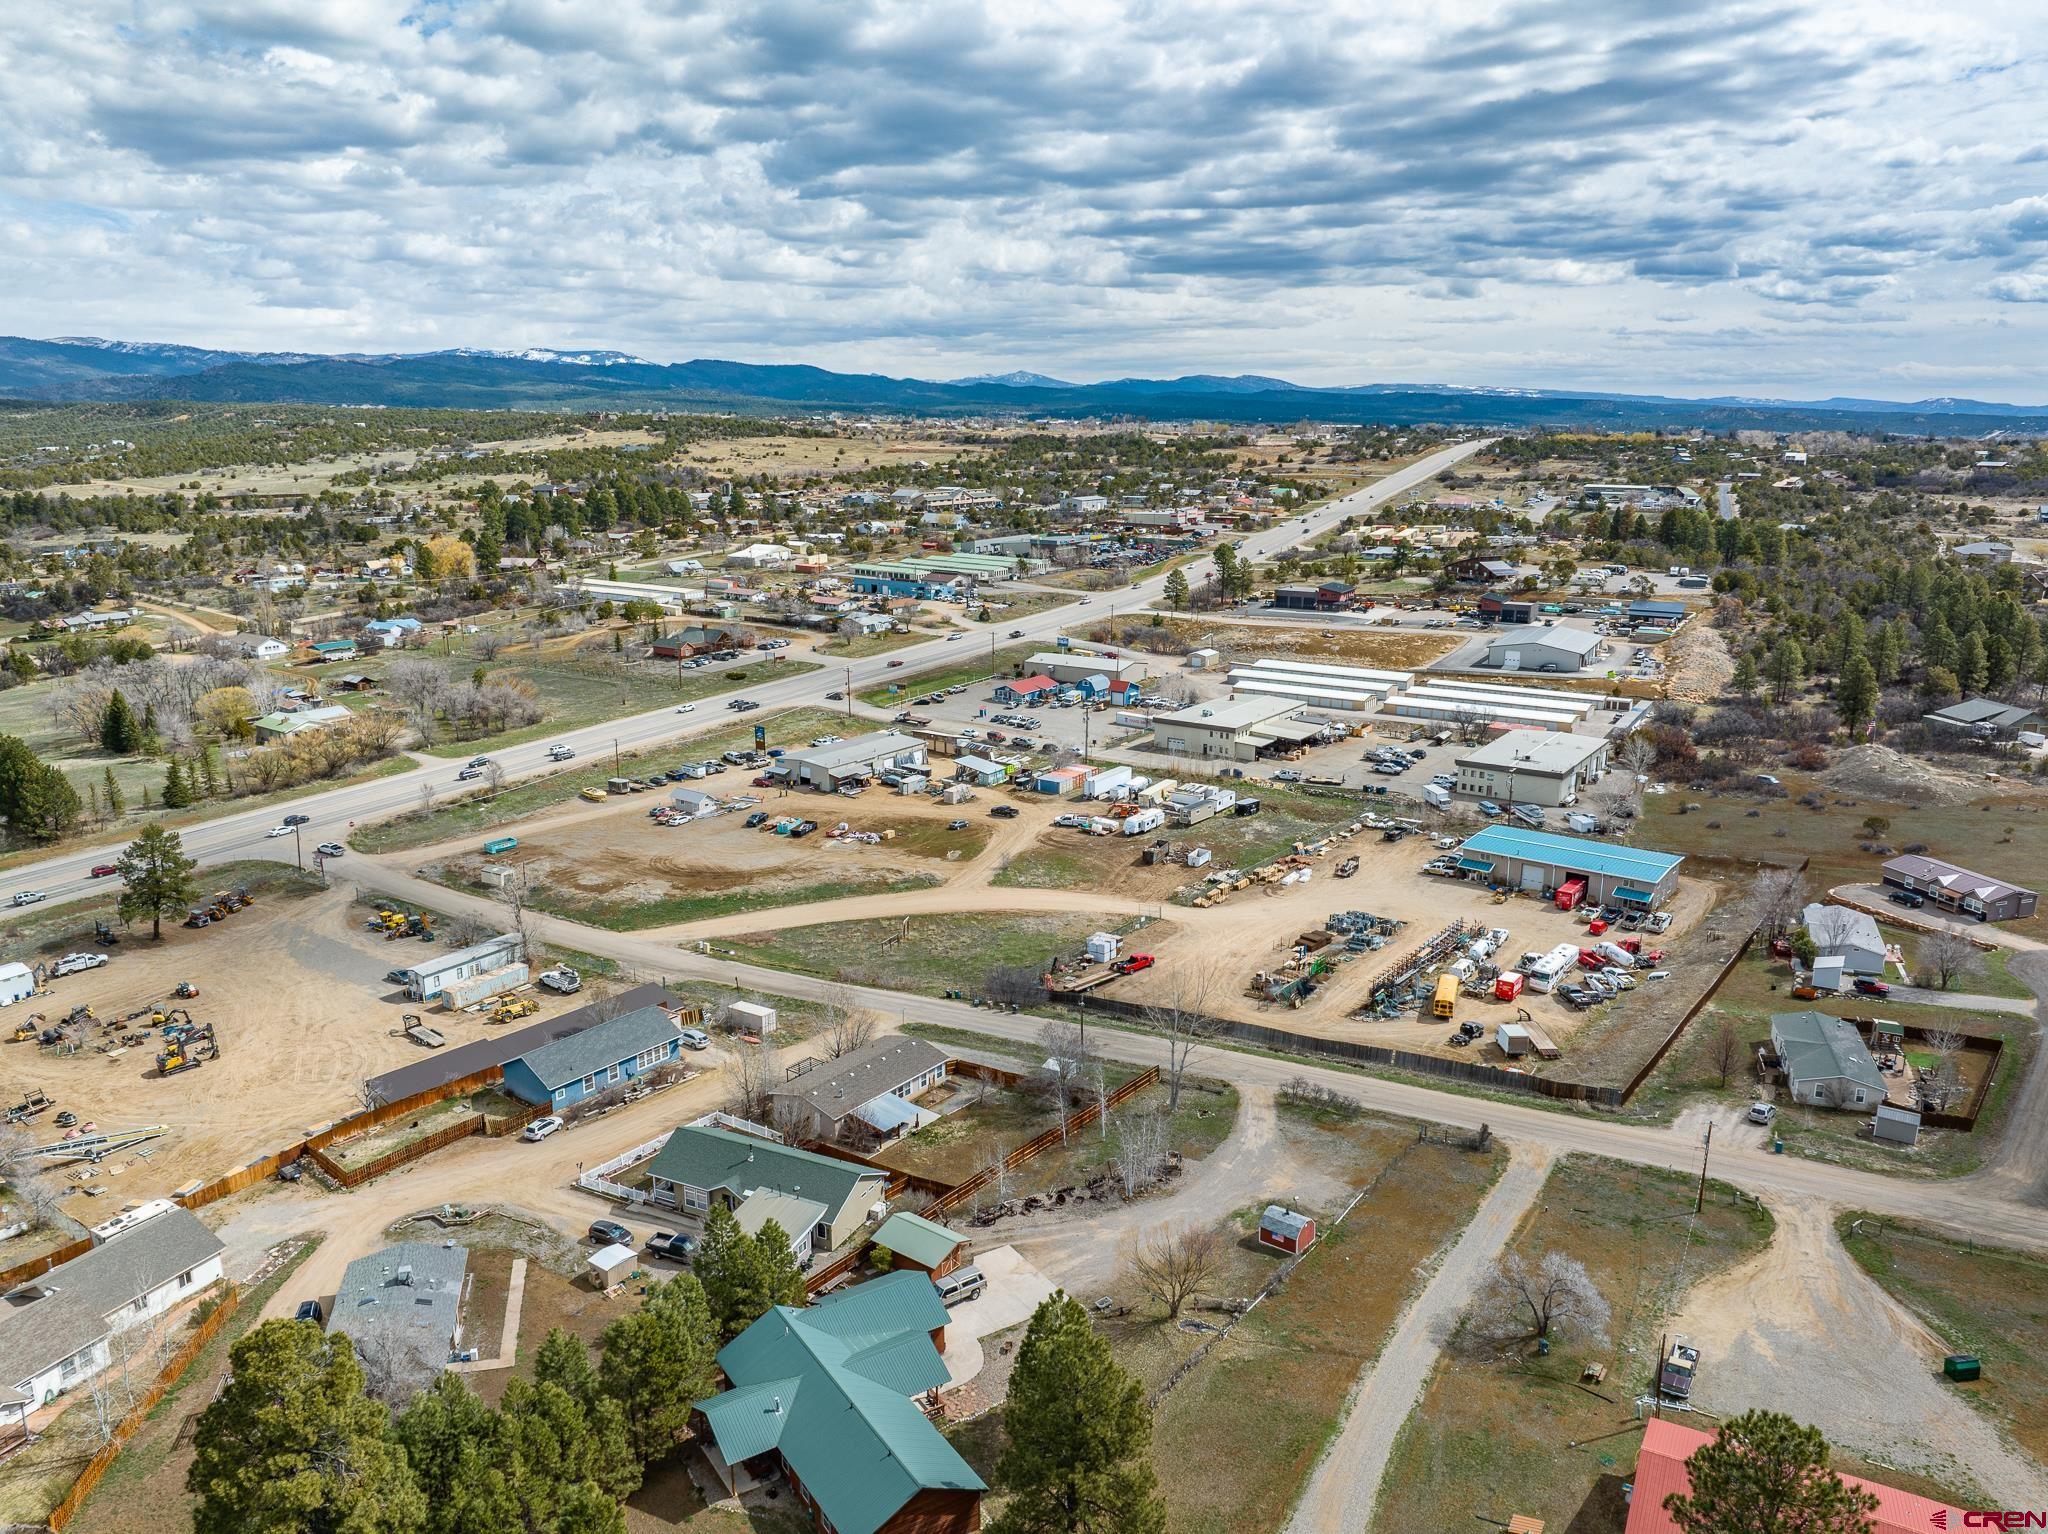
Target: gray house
(402,1308)
(1826,1062)
(865,1095)
(1851,936)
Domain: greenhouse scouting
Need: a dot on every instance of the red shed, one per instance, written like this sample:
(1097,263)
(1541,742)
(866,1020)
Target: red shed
(1285,1231)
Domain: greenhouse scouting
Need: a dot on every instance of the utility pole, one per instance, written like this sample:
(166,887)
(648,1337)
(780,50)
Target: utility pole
(298,848)
(615,756)
(1706,1149)
(849,692)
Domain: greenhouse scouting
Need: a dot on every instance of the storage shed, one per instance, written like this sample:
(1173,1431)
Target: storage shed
(915,1242)
(610,1266)
(1896,1126)
(17,983)
(1284,1230)
(751,1017)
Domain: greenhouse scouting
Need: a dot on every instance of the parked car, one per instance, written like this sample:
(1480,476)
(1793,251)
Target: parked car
(540,1129)
(1389,769)
(609,1233)
(695,1038)
(754,819)
(1131,963)
(956,825)
(1000,811)
(73,963)
(963,1283)
(1762,1113)
(330,849)
(1865,986)
(1490,810)
(1912,900)
(310,1310)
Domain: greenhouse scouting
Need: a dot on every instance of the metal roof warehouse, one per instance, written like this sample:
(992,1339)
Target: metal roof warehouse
(1535,860)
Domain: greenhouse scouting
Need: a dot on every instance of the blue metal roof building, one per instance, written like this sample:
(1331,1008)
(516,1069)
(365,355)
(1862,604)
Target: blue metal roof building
(1542,860)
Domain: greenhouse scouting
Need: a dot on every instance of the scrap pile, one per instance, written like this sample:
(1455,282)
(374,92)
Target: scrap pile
(1399,986)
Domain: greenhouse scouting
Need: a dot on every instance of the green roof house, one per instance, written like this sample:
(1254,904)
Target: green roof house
(825,1395)
(1826,1061)
(700,1165)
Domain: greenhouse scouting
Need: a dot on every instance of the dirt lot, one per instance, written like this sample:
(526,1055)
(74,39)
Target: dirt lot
(295,988)
(1342,645)
(608,864)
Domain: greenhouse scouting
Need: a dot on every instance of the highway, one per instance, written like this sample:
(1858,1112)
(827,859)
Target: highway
(334,812)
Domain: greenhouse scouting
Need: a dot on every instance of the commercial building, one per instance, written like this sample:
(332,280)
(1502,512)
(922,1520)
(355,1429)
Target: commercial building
(58,1331)
(1545,649)
(1070,667)
(1544,767)
(1236,731)
(826,1395)
(865,756)
(700,1165)
(1656,615)
(563,1072)
(1958,889)
(403,1305)
(1498,607)
(1353,688)
(1543,860)
(866,1095)
(1441,704)
(448,973)
(1323,596)
(1985,718)
(1477,570)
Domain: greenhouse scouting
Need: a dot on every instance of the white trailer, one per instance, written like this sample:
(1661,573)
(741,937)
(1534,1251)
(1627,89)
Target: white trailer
(1143,821)
(1548,969)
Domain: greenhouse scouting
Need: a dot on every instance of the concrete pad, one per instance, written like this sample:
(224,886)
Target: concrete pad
(1015,1289)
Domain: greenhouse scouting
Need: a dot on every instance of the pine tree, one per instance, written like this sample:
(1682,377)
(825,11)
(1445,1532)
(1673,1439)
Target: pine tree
(1763,1473)
(1745,682)
(209,773)
(728,1264)
(782,1277)
(1972,665)
(660,1361)
(156,877)
(1784,667)
(564,1360)
(1177,588)
(119,733)
(1856,692)
(292,1443)
(112,794)
(1079,1432)
(176,792)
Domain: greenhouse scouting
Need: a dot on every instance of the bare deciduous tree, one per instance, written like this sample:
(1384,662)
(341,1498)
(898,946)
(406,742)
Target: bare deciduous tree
(1776,896)
(1063,1076)
(1554,1297)
(1942,1083)
(396,1367)
(1182,1016)
(750,1072)
(1638,755)
(847,1025)
(1725,1049)
(1142,1143)
(1172,1264)
(1943,956)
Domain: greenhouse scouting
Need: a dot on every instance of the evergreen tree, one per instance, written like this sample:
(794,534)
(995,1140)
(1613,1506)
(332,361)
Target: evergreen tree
(1177,588)
(1077,1460)
(660,1362)
(111,794)
(177,794)
(563,1360)
(1856,692)
(1763,1473)
(37,799)
(1973,666)
(209,773)
(156,877)
(782,1277)
(1784,667)
(728,1266)
(293,1445)
(119,731)
(1887,650)
(1938,645)
(1745,682)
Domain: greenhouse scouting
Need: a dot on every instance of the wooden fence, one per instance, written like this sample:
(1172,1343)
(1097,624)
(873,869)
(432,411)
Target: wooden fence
(1059,1134)
(179,1362)
(1976,1043)
(1678,1029)
(36,1267)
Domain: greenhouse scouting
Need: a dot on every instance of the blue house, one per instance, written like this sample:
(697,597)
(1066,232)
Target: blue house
(602,1056)
(391,631)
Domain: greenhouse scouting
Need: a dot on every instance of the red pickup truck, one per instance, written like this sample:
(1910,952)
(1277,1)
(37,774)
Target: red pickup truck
(1131,963)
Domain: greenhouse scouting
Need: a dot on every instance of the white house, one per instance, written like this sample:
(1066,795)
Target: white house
(261,646)
(60,1330)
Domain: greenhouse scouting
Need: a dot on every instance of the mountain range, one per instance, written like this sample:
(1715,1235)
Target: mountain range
(84,368)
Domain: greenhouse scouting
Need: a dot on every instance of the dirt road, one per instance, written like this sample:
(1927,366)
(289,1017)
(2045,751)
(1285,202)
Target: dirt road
(1346,1481)
(1801,1326)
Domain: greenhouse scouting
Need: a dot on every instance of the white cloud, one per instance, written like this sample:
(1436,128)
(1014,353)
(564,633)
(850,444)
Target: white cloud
(1631,193)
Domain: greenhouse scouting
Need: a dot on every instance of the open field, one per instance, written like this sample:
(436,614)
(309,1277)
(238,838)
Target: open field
(488,812)
(1341,645)
(927,954)
(605,864)
(1761,985)
(1503,1429)
(1977,1300)
(294,985)
(802,456)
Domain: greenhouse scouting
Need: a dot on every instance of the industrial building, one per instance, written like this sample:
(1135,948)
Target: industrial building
(942,577)
(1442,705)
(1958,889)
(1545,649)
(1544,767)
(1236,731)
(1333,687)
(865,756)
(1543,860)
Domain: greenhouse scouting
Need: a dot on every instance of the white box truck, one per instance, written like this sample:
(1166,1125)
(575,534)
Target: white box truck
(1582,823)
(1436,796)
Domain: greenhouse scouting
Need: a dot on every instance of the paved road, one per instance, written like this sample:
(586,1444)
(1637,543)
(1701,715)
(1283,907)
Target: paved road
(1346,1482)
(334,811)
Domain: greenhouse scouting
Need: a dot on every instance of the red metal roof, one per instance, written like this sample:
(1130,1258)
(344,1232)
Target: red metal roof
(1032,684)
(1660,1471)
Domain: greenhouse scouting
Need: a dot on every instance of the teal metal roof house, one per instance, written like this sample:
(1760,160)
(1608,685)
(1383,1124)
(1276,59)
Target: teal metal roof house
(1535,860)
(825,1395)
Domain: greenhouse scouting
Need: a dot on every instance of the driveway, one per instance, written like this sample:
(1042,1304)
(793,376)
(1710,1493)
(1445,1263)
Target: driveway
(1015,1289)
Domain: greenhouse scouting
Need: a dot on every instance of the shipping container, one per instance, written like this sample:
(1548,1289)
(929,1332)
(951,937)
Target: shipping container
(1570,893)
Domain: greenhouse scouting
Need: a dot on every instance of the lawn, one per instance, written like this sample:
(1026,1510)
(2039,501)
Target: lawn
(1977,1299)
(1495,1436)
(927,954)
(1761,985)
(486,811)
(1982,974)
(976,664)
(144,1490)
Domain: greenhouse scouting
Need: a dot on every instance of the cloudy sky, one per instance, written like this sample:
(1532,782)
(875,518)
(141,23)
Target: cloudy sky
(1798,198)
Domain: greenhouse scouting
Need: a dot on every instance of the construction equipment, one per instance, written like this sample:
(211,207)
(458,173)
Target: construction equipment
(186,990)
(510,1008)
(25,1030)
(187,1046)
(1347,868)
(104,935)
